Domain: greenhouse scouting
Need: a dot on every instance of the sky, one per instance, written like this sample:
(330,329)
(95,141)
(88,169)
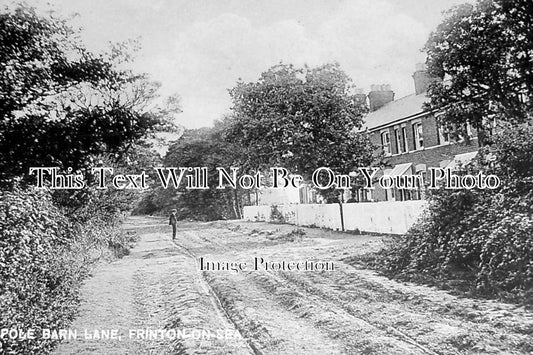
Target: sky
(199,49)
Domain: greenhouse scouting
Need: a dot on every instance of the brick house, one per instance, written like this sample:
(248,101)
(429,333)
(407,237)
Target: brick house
(407,134)
(410,138)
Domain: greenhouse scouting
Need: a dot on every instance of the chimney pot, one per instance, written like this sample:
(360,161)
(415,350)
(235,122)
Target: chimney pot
(380,95)
(421,78)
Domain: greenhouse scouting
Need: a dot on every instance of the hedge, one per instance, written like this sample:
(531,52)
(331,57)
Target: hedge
(483,237)
(44,257)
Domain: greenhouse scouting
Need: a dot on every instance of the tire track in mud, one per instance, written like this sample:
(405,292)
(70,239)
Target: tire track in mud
(333,310)
(427,321)
(215,301)
(432,320)
(312,299)
(340,309)
(266,325)
(413,319)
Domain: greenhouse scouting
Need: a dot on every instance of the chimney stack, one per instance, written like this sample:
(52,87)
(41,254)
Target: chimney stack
(421,78)
(379,95)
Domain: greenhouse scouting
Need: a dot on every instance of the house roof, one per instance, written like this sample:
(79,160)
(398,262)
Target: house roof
(405,107)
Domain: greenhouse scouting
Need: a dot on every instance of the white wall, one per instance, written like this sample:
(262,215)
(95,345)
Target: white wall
(269,196)
(378,217)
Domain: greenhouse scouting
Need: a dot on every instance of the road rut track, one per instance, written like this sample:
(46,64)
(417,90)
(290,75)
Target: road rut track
(352,310)
(215,300)
(409,343)
(415,307)
(431,321)
(340,308)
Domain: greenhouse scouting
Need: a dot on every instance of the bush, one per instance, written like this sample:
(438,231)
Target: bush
(44,257)
(37,288)
(276,216)
(481,236)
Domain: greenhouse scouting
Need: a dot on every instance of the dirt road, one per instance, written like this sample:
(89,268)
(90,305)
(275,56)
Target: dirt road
(159,301)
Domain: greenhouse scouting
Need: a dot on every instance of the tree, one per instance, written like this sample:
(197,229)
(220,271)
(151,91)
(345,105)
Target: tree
(61,105)
(301,119)
(484,53)
(483,236)
(200,148)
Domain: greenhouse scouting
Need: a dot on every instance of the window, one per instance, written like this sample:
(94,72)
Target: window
(404,135)
(389,195)
(385,142)
(400,142)
(418,136)
(397,139)
(443,135)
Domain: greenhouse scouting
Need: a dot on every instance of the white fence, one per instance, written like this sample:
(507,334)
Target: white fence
(378,217)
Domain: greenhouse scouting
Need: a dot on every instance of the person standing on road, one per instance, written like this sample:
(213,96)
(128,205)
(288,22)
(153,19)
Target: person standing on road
(173,221)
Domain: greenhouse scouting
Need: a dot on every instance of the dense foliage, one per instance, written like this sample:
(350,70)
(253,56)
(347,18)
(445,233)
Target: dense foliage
(61,105)
(484,53)
(481,235)
(44,256)
(200,148)
(300,119)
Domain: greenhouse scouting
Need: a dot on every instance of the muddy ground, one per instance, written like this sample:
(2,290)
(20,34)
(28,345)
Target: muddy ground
(347,310)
